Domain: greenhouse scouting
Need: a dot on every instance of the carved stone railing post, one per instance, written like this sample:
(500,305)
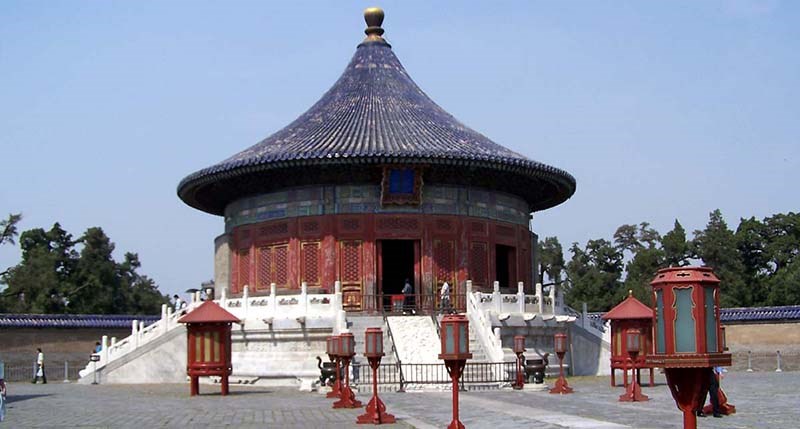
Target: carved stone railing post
(540,298)
(468,294)
(134,334)
(553,299)
(104,351)
(245,300)
(303,299)
(521,297)
(497,300)
(223,297)
(584,316)
(338,308)
(164,319)
(168,322)
(273,299)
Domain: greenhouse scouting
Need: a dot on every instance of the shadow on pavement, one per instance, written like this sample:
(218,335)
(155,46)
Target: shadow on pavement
(19,398)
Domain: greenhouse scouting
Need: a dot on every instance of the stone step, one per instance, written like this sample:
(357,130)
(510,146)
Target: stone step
(358,326)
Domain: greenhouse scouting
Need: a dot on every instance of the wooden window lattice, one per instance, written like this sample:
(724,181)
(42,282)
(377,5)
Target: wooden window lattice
(310,260)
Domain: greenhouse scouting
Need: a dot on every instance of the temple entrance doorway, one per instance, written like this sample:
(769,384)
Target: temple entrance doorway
(505,266)
(398,260)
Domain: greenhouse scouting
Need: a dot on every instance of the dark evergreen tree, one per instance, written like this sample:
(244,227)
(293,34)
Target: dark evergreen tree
(646,257)
(38,283)
(594,275)
(716,246)
(551,260)
(53,277)
(676,248)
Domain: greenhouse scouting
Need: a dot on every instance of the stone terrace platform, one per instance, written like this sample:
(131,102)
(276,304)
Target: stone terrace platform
(762,399)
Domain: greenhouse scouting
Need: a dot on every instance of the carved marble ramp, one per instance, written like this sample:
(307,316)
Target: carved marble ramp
(415,338)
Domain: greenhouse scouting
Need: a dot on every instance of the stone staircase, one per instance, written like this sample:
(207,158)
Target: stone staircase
(358,325)
(361,374)
(475,347)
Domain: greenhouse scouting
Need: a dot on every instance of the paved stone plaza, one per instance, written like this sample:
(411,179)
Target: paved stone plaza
(763,399)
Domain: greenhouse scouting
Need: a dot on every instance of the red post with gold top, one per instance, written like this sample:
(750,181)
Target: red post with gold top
(561,386)
(376,410)
(347,344)
(688,338)
(332,344)
(633,344)
(208,330)
(519,349)
(455,352)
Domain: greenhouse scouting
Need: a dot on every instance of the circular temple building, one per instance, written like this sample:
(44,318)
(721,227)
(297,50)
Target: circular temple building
(374,185)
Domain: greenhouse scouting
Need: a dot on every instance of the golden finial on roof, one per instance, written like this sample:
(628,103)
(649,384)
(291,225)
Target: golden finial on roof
(630,293)
(374,18)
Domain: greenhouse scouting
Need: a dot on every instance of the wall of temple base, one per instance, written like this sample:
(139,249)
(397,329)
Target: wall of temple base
(591,355)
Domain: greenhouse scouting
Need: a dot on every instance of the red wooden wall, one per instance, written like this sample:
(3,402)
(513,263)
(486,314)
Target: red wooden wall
(322,249)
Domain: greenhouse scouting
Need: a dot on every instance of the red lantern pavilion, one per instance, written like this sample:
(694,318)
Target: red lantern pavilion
(375,184)
(208,329)
(630,314)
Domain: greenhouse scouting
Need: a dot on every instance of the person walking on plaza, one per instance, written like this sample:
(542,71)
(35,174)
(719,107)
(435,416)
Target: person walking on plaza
(714,374)
(407,294)
(40,368)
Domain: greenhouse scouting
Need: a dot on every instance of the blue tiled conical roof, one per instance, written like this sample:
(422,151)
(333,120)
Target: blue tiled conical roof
(374,114)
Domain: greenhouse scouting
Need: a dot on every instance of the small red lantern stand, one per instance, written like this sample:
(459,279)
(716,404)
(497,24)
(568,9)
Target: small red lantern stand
(455,352)
(376,409)
(332,344)
(688,340)
(519,349)
(561,385)
(347,399)
(208,330)
(630,314)
(633,391)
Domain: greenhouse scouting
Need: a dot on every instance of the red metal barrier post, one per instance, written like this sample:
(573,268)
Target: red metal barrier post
(633,345)
(455,352)
(561,386)
(519,349)
(347,344)
(376,410)
(333,355)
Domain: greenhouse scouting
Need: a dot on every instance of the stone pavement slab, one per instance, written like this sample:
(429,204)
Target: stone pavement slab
(762,400)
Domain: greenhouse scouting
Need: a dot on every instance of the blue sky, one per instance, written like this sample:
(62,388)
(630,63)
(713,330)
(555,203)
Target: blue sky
(661,110)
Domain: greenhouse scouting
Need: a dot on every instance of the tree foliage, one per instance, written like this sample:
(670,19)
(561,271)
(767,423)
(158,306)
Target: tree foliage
(551,260)
(56,277)
(757,263)
(594,273)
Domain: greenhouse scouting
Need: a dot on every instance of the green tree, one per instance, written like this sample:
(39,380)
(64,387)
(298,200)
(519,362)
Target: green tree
(716,246)
(53,277)
(594,275)
(97,288)
(140,292)
(8,228)
(646,257)
(8,231)
(551,260)
(784,286)
(39,282)
(768,248)
(676,248)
